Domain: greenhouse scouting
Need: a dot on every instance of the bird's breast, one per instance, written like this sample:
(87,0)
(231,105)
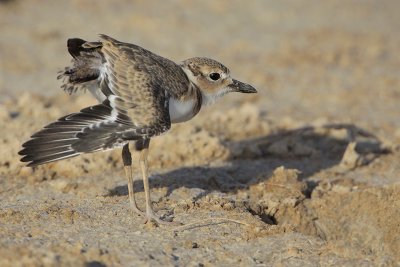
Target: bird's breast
(180,111)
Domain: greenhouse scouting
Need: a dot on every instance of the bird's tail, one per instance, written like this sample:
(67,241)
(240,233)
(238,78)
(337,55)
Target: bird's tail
(86,65)
(92,129)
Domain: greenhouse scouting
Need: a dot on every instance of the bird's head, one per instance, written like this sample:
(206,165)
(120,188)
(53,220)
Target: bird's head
(213,79)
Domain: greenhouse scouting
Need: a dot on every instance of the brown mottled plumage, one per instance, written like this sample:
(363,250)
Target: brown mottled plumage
(140,95)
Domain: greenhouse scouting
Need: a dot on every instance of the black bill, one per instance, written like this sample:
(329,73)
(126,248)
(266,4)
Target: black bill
(238,86)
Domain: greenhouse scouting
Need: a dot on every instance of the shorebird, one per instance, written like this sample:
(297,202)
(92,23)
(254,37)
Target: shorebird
(140,93)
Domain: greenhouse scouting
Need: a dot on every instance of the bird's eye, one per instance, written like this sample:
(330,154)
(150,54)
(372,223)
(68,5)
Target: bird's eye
(214,76)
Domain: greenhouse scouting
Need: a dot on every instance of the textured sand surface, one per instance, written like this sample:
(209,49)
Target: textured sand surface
(305,173)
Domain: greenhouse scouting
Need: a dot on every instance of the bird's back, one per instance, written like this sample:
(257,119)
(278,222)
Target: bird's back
(91,58)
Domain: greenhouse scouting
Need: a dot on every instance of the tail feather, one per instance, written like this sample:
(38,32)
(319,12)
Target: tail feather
(92,129)
(86,64)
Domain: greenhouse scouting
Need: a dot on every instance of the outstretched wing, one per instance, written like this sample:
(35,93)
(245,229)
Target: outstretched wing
(92,129)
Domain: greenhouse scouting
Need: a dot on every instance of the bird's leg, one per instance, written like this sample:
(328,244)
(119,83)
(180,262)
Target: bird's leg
(150,214)
(127,159)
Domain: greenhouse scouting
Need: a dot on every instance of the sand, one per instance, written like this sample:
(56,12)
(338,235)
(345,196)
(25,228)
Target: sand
(305,173)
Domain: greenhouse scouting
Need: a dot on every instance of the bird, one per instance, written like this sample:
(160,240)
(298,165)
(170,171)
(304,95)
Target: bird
(140,95)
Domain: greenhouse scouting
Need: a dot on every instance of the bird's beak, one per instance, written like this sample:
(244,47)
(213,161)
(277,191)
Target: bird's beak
(238,86)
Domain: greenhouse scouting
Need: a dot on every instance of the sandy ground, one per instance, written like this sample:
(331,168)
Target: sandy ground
(306,173)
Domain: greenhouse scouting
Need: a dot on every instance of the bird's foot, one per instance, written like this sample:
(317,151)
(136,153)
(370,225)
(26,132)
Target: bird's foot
(136,210)
(151,216)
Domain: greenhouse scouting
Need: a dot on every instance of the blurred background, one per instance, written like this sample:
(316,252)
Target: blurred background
(310,60)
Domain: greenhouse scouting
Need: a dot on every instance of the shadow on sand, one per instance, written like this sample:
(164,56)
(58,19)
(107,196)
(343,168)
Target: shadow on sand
(308,149)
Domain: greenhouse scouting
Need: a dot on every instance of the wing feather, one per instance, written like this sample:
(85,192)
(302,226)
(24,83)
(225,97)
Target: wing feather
(142,83)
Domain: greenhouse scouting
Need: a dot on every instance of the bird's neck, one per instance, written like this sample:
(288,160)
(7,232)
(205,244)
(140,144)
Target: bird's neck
(196,96)
(210,98)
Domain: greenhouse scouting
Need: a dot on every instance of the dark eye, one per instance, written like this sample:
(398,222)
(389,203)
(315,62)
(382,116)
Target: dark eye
(214,76)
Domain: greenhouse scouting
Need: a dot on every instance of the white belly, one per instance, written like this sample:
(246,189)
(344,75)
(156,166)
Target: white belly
(180,111)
